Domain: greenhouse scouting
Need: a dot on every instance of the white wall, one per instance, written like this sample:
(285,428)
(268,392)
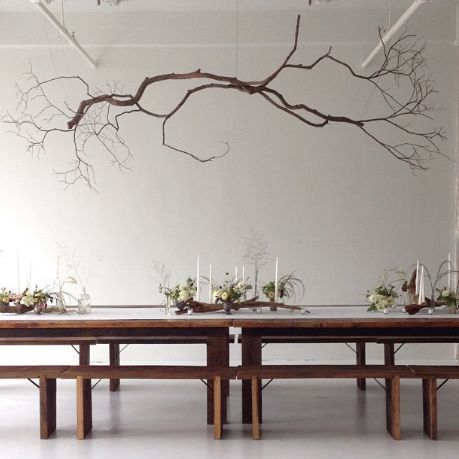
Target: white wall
(332,204)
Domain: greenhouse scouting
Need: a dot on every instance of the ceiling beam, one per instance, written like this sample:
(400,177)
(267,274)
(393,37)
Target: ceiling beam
(394,29)
(63,31)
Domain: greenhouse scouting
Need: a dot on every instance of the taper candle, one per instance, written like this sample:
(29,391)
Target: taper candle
(449,270)
(417,279)
(29,280)
(197,279)
(421,297)
(276,280)
(18,265)
(210,282)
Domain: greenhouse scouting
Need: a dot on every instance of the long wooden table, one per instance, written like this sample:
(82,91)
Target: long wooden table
(323,324)
(338,324)
(103,324)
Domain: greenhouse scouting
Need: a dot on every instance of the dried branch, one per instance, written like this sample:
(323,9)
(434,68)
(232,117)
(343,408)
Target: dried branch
(256,254)
(99,114)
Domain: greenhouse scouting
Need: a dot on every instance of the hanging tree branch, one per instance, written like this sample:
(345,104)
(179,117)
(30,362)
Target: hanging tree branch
(99,114)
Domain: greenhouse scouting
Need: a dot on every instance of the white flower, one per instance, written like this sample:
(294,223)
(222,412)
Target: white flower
(28,300)
(224,296)
(185,294)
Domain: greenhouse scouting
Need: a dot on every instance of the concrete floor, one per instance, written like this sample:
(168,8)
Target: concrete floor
(166,419)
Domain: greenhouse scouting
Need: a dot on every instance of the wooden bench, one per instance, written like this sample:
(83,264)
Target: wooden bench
(115,343)
(429,375)
(392,374)
(83,374)
(47,375)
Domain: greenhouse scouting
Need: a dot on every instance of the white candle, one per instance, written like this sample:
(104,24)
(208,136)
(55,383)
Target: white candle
(197,279)
(421,297)
(243,273)
(210,282)
(454,275)
(276,280)
(449,270)
(417,278)
(29,280)
(19,271)
(235,274)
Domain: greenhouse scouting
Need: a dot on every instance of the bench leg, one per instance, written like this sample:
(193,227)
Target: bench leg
(251,355)
(84,407)
(47,407)
(256,433)
(217,356)
(429,401)
(393,407)
(361,360)
(114,355)
(84,396)
(217,408)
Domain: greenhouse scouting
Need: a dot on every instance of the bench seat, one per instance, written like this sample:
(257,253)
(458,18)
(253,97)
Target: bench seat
(392,374)
(83,374)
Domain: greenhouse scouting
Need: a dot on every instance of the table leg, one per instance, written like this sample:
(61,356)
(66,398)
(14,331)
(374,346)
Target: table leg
(84,395)
(361,360)
(217,356)
(114,354)
(251,355)
(389,358)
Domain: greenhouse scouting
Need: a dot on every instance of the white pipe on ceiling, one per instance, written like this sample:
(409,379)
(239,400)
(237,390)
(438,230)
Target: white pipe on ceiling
(63,31)
(394,29)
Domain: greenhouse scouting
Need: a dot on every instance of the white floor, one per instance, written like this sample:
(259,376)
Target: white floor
(166,419)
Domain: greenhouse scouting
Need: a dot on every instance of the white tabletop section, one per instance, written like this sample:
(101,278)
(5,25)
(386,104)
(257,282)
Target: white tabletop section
(112,313)
(145,313)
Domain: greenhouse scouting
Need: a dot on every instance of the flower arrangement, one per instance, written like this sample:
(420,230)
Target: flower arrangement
(37,298)
(5,296)
(181,293)
(287,286)
(382,297)
(231,291)
(450,298)
(28,300)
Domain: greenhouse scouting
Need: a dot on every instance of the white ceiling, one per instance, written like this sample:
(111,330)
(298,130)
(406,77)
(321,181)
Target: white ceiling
(209,5)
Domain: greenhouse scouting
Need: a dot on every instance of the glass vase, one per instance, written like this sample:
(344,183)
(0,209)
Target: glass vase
(84,303)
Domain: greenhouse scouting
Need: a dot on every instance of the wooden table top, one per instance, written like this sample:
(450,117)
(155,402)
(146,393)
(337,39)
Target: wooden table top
(115,317)
(149,317)
(353,317)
